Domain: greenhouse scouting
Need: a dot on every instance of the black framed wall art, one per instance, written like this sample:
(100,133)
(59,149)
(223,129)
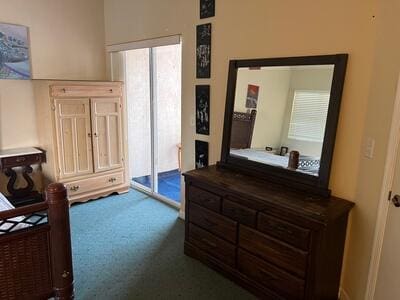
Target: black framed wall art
(201,154)
(203,109)
(207,9)
(203,50)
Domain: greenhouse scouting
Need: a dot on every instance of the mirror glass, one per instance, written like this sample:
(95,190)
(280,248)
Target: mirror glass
(280,115)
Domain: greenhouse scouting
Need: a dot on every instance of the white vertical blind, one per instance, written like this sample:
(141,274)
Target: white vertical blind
(309,113)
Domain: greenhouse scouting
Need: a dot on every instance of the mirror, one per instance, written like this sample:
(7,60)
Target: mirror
(279,110)
(282,115)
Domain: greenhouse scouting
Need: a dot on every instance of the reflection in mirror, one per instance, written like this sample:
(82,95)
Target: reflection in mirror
(280,115)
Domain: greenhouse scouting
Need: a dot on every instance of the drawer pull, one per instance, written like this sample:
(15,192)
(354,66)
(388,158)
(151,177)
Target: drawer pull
(64,90)
(267,274)
(211,244)
(210,223)
(74,188)
(20,159)
(112,179)
(65,274)
(111,90)
(234,210)
(282,228)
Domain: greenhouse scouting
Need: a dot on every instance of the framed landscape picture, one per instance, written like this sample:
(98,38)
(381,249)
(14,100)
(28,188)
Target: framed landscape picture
(14,52)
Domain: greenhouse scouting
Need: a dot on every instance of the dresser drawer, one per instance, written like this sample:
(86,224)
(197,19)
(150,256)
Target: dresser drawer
(86,91)
(270,276)
(23,160)
(211,244)
(94,183)
(274,251)
(215,223)
(239,213)
(204,198)
(292,234)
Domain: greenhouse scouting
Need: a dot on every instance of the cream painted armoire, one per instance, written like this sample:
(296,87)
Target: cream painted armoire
(82,128)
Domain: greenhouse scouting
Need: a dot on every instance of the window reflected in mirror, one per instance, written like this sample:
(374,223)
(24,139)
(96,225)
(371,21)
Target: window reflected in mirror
(280,115)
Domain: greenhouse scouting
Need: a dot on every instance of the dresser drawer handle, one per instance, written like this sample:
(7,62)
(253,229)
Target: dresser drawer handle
(283,228)
(207,200)
(267,274)
(74,188)
(112,179)
(237,211)
(20,159)
(110,90)
(211,244)
(210,223)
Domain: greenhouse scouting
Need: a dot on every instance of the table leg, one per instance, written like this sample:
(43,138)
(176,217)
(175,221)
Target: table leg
(19,192)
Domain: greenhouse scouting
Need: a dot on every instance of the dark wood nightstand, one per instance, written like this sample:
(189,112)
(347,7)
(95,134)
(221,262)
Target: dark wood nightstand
(21,158)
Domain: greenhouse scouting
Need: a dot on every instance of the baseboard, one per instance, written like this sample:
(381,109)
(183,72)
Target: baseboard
(343,294)
(182,215)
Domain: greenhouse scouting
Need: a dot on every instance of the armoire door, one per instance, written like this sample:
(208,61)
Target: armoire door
(73,137)
(107,136)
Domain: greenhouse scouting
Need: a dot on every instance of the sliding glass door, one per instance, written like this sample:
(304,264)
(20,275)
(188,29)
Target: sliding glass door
(153,89)
(167,95)
(139,117)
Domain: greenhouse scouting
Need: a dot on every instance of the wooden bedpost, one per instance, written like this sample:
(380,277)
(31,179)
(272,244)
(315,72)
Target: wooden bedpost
(60,240)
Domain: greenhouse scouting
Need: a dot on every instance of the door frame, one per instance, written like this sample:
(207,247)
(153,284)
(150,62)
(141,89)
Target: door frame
(384,204)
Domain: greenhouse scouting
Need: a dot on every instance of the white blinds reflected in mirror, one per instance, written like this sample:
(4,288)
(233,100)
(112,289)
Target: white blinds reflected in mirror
(308,116)
(280,111)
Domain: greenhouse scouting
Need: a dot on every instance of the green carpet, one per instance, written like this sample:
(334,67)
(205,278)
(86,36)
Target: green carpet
(131,247)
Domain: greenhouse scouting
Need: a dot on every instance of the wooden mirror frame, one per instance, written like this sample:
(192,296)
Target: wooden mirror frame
(315,184)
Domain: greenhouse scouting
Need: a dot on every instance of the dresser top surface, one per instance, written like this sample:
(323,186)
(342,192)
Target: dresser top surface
(19,152)
(316,207)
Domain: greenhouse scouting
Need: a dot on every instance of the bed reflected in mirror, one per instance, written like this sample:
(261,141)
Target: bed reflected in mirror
(280,115)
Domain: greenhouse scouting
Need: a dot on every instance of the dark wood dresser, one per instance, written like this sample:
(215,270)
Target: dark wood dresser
(277,243)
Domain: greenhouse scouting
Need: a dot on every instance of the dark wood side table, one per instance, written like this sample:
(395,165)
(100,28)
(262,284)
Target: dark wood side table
(22,158)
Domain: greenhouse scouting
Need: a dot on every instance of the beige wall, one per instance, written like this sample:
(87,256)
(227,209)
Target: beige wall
(262,32)
(67,42)
(269,28)
(381,95)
